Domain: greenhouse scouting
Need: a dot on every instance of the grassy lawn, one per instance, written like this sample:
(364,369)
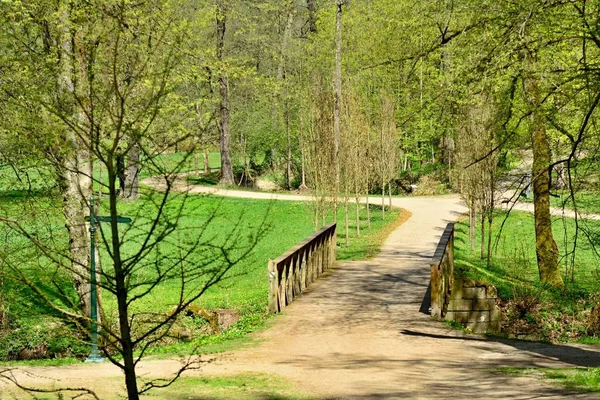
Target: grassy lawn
(587,202)
(244,289)
(250,386)
(246,386)
(181,162)
(514,258)
(578,379)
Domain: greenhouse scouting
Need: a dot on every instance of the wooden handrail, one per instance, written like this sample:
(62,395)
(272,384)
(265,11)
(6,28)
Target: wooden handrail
(292,272)
(442,273)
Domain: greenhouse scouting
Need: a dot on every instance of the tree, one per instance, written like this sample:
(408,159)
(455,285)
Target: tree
(115,81)
(224,111)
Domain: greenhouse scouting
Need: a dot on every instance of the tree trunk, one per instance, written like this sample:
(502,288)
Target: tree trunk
(120,280)
(74,173)
(74,210)
(491,212)
(482,255)
(472,225)
(545,245)
(358,217)
(132,175)
(206,161)
(303,183)
(312,16)
(281,78)
(338,101)
(368,212)
(347,220)
(489,238)
(368,205)
(226,167)
(383,200)
(289,147)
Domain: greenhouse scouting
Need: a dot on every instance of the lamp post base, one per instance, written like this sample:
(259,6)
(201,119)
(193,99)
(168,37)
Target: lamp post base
(94,357)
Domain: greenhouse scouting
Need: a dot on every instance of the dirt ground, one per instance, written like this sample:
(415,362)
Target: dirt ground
(358,334)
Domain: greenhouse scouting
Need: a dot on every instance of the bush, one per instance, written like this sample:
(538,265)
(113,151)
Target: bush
(429,186)
(24,340)
(529,315)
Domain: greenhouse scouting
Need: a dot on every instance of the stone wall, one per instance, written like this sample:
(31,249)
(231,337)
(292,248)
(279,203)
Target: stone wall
(473,305)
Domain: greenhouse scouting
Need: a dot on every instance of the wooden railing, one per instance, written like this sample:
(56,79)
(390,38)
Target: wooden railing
(294,271)
(442,273)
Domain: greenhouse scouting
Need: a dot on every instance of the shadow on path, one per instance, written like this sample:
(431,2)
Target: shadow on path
(570,354)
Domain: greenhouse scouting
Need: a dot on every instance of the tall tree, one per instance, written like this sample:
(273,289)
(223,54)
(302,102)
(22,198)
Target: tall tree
(224,105)
(337,119)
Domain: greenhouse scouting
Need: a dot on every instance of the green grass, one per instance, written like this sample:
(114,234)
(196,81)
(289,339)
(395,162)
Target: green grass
(514,257)
(251,386)
(579,379)
(583,379)
(244,289)
(54,362)
(212,179)
(181,162)
(588,202)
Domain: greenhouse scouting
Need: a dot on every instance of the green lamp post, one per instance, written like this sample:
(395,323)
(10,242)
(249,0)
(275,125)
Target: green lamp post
(94,356)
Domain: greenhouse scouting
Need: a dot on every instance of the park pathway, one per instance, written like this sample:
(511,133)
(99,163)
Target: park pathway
(357,333)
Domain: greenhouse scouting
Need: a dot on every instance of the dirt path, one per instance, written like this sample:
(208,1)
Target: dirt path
(358,333)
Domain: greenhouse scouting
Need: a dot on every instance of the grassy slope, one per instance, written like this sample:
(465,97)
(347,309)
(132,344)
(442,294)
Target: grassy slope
(246,289)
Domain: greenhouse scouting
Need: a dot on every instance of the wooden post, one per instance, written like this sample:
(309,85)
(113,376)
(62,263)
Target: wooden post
(303,265)
(334,243)
(289,297)
(320,259)
(451,257)
(281,289)
(436,311)
(297,275)
(273,289)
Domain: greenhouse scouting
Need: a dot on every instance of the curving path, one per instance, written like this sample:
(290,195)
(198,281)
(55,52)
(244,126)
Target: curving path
(358,333)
